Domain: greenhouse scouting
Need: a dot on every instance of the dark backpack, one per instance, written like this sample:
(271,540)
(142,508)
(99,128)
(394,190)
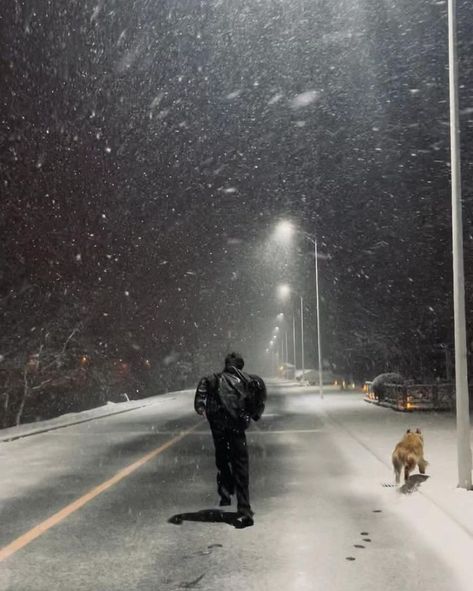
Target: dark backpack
(257,399)
(242,395)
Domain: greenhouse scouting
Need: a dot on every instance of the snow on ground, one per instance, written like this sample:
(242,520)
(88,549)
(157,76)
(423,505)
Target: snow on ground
(29,463)
(65,420)
(378,429)
(441,513)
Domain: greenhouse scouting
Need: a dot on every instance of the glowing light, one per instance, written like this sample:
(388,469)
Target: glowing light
(284,231)
(284,291)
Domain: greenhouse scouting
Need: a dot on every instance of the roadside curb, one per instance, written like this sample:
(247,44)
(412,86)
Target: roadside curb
(77,421)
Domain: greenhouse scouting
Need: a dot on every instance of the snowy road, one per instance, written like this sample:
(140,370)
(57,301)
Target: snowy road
(324,520)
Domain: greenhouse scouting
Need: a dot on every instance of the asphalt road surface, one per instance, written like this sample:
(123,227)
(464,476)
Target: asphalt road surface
(129,502)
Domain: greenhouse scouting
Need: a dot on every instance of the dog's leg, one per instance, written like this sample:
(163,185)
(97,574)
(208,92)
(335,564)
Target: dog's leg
(409,467)
(398,476)
(406,473)
(397,470)
(422,466)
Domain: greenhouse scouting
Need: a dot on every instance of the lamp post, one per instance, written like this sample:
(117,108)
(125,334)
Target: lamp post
(280,344)
(285,292)
(274,355)
(302,338)
(282,319)
(294,339)
(319,345)
(284,231)
(461,368)
(279,348)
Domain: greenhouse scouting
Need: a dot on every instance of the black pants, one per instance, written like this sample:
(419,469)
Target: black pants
(231,458)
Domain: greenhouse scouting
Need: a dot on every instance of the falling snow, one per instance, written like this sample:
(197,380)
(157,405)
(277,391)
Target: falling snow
(305,99)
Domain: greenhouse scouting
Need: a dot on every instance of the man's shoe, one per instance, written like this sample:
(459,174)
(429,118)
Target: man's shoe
(245,512)
(245,519)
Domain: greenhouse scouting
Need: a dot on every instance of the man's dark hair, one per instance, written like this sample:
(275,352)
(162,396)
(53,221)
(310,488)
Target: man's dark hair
(234,360)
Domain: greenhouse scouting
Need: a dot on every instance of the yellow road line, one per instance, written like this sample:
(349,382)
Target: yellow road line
(55,519)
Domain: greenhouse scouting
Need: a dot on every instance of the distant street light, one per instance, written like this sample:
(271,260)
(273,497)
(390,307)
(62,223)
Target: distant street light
(284,232)
(276,334)
(461,368)
(281,318)
(274,360)
(285,292)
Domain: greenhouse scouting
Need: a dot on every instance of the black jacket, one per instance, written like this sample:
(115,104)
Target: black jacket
(232,392)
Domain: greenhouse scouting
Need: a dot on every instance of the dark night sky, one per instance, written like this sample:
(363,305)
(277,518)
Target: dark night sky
(148,148)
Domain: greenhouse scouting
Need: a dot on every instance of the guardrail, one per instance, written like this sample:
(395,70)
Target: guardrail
(409,397)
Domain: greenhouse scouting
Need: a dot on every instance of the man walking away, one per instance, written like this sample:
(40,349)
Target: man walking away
(230,400)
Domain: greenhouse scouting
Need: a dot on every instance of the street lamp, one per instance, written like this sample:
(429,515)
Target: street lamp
(284,232)
(282,319)
(277,334)
(461,368)
(319,345)
(285,292)
(272,348)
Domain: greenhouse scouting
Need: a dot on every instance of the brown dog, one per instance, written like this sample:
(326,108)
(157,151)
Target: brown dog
(408,453)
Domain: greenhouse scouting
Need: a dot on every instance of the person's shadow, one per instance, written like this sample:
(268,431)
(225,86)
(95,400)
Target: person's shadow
(210,516)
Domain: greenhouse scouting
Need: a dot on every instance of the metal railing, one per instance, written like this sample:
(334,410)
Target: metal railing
(408,397)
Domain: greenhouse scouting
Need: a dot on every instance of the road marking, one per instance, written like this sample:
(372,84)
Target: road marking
(254,432)
(55,519)
(284,431)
